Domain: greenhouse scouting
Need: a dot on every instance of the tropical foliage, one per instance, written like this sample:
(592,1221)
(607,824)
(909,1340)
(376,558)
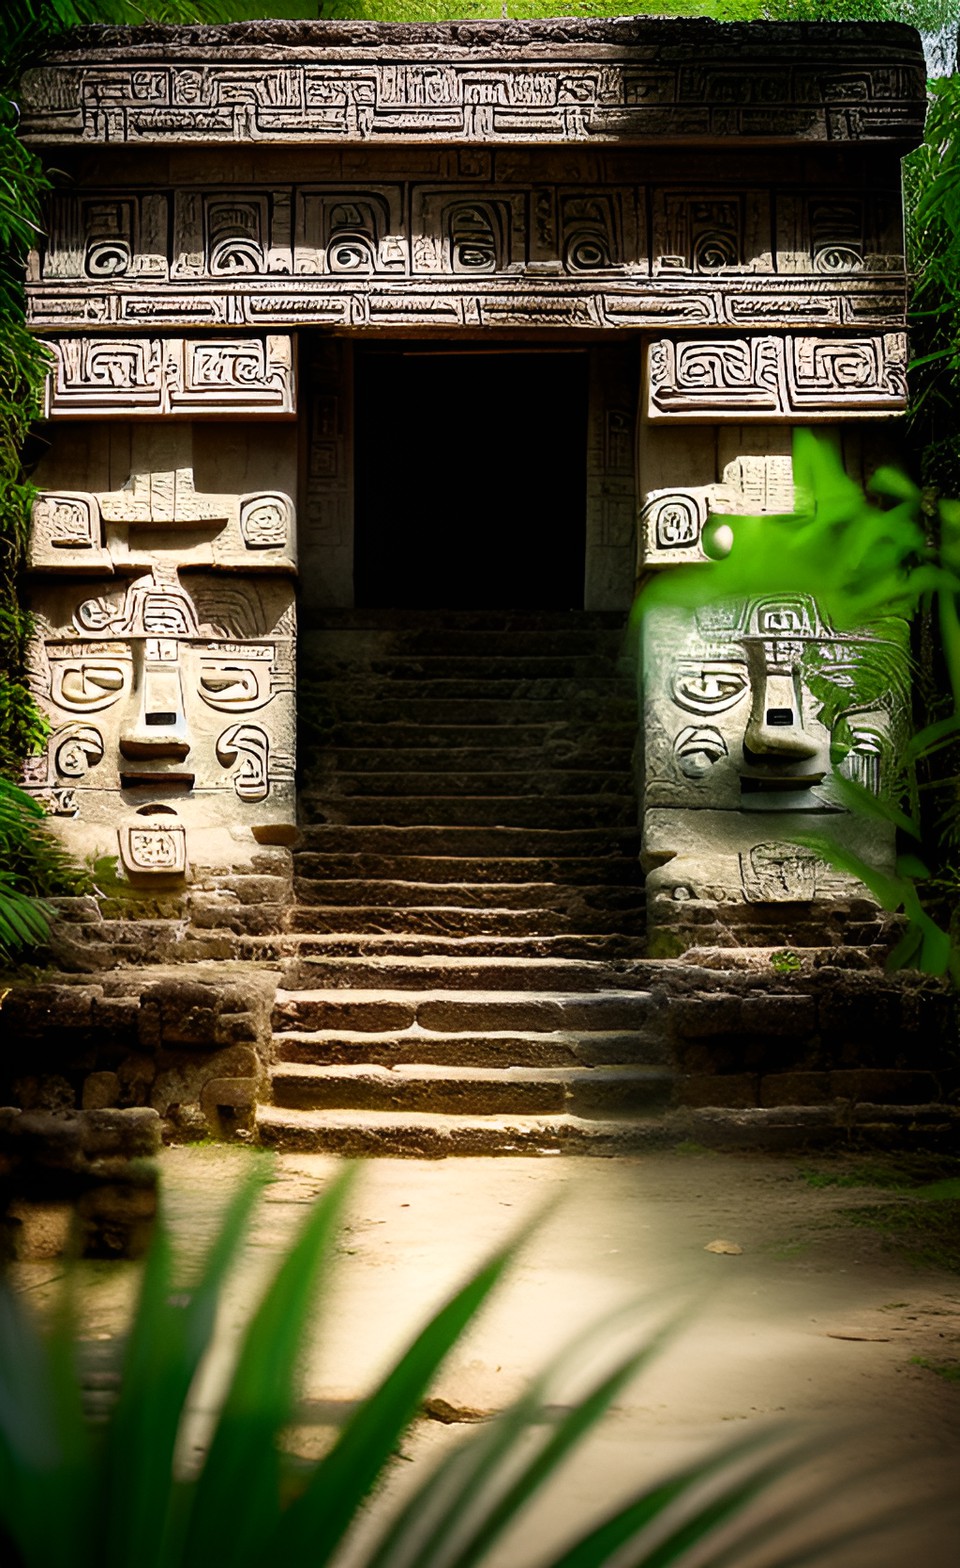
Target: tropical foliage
(78,1495)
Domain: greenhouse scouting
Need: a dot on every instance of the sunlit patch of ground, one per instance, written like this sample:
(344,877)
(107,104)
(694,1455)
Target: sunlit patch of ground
(839,1311)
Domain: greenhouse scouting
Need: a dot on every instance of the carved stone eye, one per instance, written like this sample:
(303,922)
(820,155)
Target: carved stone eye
(351,253)
(473,257)
(234,686)
(236,256)
(709,688)
(713,251)
(587,253)
(107,259)
(837,258)
(88,687)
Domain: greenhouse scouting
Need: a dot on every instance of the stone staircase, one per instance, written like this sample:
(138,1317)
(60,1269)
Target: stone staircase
(467,975)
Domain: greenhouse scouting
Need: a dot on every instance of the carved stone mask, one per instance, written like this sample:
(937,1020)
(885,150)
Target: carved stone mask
(754,706)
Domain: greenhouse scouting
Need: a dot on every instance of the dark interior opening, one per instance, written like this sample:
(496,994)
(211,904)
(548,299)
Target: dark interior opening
(470,478)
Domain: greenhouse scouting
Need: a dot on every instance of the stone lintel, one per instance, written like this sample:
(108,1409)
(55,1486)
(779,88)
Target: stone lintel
(627,80)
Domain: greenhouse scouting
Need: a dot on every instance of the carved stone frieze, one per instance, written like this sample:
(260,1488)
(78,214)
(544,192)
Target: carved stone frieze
(122,377)
(475,253)
(632,79)
(159,511)
(171,707)
(792,376)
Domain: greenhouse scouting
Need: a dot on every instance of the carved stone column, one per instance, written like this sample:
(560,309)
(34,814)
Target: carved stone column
(163,555)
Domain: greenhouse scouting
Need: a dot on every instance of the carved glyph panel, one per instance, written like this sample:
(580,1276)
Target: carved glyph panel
(767,378)
(120,378)
(171,710)
(673,520)
(159,512)
(621,79)
(463,252)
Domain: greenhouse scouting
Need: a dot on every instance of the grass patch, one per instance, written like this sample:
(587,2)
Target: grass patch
(948,1370)
(930,1175)
(926,1231)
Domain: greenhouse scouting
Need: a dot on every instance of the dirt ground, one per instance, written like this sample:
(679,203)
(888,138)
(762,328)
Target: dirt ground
(849,1329)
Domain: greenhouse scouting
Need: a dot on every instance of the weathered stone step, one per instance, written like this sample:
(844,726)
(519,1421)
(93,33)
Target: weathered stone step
(460,1011)
(506,736)
(324,664)
(353,684)
(472,869)
(567,753)
(547,782)
(451,920)
(424,973)
(569,811)
(450,839)
(426,1135)
(477,643)
(365,891)
(333,618)
(312,943)
(390,710)
(494,1048)
(472,1091)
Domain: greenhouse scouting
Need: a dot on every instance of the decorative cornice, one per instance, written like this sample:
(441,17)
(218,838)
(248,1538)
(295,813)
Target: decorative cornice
(632,80)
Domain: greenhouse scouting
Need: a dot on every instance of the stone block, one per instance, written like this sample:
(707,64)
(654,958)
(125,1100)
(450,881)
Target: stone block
(41,1138)
(795,1088)
(780,1017)
(181,1083)
(131,1133)
(136,1073)
(101,1090)
(179,1012)
(32,1011)
(700,1017)
(878,1086)
(729,1089)
(116,1220)
(228,1104)
(114,1020)
(45,1092)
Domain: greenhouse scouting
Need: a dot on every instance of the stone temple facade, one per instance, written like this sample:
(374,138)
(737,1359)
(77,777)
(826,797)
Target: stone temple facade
(703,222)
(385,362)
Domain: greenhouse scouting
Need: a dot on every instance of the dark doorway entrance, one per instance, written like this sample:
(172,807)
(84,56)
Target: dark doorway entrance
(470,478)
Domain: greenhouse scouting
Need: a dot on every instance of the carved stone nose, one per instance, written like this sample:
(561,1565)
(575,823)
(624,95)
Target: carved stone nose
(159,727)
(775,729)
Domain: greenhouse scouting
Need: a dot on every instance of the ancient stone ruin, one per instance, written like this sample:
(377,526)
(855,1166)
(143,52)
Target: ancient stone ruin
(436,339)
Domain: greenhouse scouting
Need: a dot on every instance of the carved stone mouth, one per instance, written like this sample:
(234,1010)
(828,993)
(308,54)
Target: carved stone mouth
(759,772)
(754,782)
(154,777)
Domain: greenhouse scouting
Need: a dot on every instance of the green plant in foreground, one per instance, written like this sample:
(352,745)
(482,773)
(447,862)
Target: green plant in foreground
(113,1494)
(23,919)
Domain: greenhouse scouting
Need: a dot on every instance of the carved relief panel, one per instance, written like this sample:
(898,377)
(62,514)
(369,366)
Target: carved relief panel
(749,703)
(171,706)
(116,378)
(505,249)
(158,509)
(792,376)
(231,234)
(754,710)
(625,78)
